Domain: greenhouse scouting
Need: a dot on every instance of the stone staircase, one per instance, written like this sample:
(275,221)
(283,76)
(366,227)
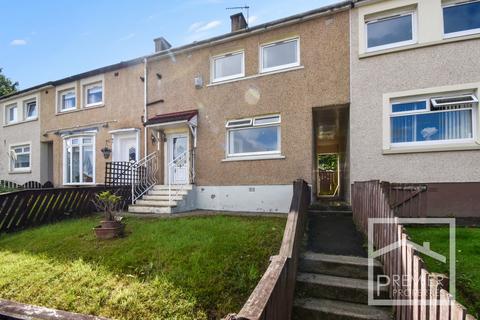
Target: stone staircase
(332,280)
(156,200)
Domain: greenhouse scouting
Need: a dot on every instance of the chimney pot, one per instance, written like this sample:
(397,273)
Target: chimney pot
(238,22)
(161,44)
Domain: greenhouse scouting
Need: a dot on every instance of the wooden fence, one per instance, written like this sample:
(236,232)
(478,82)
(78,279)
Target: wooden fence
(426,297)
(27,185)
(26,208)
(273,296)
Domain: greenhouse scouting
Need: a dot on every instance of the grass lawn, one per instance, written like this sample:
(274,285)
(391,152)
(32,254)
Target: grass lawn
(187,268)
(467,256)
(5,189)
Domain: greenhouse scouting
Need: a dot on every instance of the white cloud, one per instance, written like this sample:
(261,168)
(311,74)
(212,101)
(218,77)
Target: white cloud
(252,19)
(202,26)
(127,37)
(18,42)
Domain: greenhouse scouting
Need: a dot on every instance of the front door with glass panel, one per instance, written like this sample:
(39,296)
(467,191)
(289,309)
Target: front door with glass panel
(125,146)
(178,158)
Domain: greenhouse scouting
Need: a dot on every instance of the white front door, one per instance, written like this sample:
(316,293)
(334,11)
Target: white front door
(178,158)
(125,146)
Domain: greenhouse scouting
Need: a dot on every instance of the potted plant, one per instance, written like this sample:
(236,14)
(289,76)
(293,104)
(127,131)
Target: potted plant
(111,226)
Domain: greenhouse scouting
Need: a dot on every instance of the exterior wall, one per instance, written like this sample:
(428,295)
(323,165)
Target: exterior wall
(321,80)
(122,108)
(429,67)
(20,133)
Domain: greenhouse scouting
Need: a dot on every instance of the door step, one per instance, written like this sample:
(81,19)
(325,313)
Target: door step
(321,309)
(337,265)
(156,203)
(142,209)
(173,187)
(166,193)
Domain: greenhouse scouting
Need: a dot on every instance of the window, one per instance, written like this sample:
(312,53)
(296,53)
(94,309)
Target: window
(30,109)
(461,19)
(20,157)
(79,160)
(390,32)
(229,66)
(93,94)
(280,55)
(255,136)
(11,113)
(433,120)
(67,100)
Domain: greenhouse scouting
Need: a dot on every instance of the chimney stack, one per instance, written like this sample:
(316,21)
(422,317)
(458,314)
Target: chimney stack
(238,22)
(161,44)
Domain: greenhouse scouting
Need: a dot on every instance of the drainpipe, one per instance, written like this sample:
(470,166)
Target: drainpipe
(145,92)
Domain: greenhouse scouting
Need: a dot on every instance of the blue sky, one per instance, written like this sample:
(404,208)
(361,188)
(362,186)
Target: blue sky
(49,40)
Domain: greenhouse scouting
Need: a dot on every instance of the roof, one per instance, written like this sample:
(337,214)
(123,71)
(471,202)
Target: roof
(172,117)
(226,36)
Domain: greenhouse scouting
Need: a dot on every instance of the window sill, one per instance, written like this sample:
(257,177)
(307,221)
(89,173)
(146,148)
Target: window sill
(419,45)
(20,171)
(93,106)
(252,158)
(67,111)
(433,148)
(19,122)
(255,76)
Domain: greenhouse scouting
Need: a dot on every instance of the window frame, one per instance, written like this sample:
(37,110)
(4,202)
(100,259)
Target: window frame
(8,107)
(252,125)
(64,157)
(85,89)
(428,110)
(412,13)
(62,92)
(25,109)
(224,55)
(12,161)
(262,69)
(457,33)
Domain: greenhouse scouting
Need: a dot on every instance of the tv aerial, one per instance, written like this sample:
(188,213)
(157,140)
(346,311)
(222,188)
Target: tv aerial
(245,7)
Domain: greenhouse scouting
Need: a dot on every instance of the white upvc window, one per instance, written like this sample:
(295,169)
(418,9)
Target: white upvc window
(461,18)
(67,100)
(20,156)
(391,32)
(280,55)
(30,109)
(228,66)
(93,94)
(11,113)
(79,160)
(254,136)
(434,120)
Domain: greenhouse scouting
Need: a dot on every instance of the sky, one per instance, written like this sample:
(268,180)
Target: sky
(42,41)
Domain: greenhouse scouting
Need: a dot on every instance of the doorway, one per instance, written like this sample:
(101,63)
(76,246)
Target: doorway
(125,145)
(177,158)
(328,165)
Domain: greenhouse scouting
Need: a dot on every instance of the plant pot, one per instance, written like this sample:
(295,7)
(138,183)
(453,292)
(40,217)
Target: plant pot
(116,230)
(110,224)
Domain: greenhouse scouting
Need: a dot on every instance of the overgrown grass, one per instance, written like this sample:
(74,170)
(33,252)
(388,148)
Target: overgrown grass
(188,268)
(5,189)
(467,260)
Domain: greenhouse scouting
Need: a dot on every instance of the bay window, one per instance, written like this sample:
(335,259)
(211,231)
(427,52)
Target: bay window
(433,120)
(79,160)
(254,136)
(461,18)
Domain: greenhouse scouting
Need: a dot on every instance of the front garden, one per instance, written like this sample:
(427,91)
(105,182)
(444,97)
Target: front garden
(187,268)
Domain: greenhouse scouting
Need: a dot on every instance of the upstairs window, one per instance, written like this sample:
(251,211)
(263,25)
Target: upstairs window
(390,32)
(93,94)
(254,136)
(11,113)
(434,120)
(20,158)
(30,109)
(228,66)
(461,19)
(280,55)
(67,100)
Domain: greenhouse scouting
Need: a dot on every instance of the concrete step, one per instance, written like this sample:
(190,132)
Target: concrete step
(324,309)
(337,265)
(166,193)
(156,203)
(336,288)
(162,198)
(174,187)
(142,209)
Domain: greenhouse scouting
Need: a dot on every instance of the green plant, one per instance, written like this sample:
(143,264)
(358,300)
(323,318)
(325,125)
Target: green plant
(107,202)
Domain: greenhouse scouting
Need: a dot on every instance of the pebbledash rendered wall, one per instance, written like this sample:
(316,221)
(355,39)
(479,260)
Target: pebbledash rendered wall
(440,65)
(320,81)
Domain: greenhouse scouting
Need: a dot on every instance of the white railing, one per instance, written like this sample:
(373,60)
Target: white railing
(143,175)
(179,163)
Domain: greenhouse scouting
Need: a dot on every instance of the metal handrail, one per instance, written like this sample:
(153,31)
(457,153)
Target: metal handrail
(171,166)
(142,182)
